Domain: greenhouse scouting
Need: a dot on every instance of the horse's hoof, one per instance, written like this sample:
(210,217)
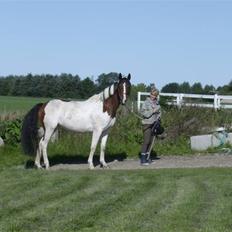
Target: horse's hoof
(44,166)
(105,166)
(91,167)
(36,166)
(47,167)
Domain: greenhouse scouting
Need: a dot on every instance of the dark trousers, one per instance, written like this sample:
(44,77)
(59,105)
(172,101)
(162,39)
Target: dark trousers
(147,138)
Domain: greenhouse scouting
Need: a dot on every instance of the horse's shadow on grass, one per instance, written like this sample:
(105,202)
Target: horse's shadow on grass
(78,159)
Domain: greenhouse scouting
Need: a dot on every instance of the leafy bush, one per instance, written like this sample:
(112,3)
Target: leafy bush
(10,131)
(126,136)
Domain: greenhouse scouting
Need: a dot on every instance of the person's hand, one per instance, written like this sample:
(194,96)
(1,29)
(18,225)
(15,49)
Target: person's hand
(156,109)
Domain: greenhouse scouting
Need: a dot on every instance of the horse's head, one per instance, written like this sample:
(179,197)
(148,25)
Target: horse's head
(124,87)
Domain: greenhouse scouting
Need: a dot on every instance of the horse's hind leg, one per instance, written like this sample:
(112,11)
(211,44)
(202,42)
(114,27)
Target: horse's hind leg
(39,151)
(38,158)
(95,139)
(103,146)
(44,143)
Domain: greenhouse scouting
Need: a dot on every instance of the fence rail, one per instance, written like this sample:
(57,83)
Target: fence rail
(181,99)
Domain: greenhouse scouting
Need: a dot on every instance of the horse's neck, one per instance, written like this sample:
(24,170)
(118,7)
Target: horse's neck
(111,105)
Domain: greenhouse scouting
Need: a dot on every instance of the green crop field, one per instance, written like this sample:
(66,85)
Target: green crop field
(142,200)
(9,104)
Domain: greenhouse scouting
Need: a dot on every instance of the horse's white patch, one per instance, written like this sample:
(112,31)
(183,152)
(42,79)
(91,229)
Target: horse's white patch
(124,93)
(107,92)
(1,142)
(111,90)
(40,132)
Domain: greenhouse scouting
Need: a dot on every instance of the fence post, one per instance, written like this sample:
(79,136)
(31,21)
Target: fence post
(216,102)
(219,102)
(179,100)
(139,100)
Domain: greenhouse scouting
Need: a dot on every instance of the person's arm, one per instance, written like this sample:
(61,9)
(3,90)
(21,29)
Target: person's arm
(146,111)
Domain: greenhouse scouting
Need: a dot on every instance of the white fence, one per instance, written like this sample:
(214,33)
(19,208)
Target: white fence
(181,99)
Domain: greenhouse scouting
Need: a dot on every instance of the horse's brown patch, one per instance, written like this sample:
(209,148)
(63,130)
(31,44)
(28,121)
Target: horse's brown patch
(41,114)
(111,105)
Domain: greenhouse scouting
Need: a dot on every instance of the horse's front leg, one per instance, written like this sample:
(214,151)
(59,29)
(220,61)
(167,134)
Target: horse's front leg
(95,139)
(103,146)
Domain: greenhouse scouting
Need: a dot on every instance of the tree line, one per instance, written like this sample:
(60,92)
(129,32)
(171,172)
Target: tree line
(55,86)
(197,88)
(72,86)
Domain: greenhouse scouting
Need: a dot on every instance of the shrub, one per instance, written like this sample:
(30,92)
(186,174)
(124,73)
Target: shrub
(126,135)
(10,131)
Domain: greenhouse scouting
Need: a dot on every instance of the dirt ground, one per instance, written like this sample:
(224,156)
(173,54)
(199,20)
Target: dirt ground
(196,161)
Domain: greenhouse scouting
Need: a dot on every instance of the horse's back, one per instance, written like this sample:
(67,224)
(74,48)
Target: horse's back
(76,115)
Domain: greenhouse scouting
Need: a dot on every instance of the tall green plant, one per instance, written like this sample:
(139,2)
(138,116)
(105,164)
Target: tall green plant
(10,131)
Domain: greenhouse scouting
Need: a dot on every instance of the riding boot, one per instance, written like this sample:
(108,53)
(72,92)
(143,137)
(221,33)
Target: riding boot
(143,159)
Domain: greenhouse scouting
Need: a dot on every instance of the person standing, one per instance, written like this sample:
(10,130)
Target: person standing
(151,113)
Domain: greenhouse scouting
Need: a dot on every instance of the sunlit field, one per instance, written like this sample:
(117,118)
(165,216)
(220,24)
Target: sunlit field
(9,104)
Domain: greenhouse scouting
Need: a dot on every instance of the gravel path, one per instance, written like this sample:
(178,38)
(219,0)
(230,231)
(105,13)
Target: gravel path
(197,161)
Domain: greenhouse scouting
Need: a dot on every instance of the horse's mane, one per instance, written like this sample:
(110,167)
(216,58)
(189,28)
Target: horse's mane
(95,97)
(105,94)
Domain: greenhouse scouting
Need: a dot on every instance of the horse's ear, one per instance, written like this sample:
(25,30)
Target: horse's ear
(120,76)
(129,76)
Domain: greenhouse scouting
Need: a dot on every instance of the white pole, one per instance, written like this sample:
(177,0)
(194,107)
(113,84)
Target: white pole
(179,100)
(215,102)
(138,100)
(219,103)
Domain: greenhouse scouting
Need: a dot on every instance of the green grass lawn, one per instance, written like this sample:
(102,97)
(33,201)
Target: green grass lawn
(143,200)
(106,200)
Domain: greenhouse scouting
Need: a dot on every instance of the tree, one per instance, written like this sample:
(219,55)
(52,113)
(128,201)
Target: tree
(69,86)
(137,88)
(197,88)
(87,88)
(171,88)
(209,89)
(105,80)
(185,87)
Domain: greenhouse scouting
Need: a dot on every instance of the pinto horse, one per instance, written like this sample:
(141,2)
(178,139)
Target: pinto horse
(97,114)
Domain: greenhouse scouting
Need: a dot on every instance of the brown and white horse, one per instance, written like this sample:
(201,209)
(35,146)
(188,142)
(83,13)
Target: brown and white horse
(97,114)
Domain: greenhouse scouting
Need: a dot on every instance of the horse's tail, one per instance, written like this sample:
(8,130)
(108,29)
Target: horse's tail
(29,134)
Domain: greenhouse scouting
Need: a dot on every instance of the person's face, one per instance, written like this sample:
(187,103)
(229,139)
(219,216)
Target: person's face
(153,97)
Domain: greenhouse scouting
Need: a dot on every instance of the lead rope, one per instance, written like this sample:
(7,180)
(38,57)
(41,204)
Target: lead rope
(136,115)
(150,148)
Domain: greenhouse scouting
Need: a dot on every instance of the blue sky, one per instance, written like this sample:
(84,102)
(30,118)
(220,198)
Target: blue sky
(156,41)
